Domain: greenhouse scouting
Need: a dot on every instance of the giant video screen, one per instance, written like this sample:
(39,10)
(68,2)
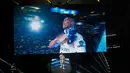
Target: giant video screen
(55,29)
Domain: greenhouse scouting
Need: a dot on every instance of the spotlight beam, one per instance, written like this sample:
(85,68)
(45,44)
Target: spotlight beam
(84,69)
(5,62)
(95,69)
(80,66)
(12,66)
(105,60)
(103,63)
(100,64)
(96,59)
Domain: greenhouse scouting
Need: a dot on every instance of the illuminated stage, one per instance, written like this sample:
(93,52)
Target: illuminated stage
(55,66)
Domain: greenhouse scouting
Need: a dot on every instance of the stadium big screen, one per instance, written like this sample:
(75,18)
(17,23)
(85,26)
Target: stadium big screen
(55,29)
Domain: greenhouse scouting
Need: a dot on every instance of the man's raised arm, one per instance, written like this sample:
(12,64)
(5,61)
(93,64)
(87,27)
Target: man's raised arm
(57,41)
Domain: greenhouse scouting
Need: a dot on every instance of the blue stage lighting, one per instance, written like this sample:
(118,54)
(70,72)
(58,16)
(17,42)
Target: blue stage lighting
(66,12)
(69,11)
(102,45)
(55,9)
(74,12)
(62,11)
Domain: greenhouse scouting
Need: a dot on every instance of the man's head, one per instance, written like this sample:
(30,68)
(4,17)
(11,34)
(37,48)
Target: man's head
(68,22)
(61,53)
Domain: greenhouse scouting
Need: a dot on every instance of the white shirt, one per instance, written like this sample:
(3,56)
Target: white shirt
(78,46)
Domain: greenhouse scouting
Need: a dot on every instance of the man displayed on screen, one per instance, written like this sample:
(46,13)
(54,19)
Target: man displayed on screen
(70,41)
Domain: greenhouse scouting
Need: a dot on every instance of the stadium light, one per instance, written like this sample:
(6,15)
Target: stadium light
(79,23)
(42,21)
(35,26)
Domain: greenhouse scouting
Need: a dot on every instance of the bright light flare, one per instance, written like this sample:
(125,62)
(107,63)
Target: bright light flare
(42,21)
(98,0)
(79,23)
(35,26)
